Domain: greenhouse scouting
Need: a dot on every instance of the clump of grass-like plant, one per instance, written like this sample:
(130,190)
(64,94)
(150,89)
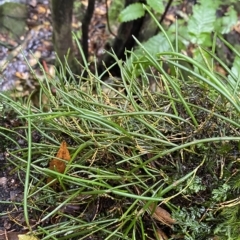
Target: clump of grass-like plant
(132,149)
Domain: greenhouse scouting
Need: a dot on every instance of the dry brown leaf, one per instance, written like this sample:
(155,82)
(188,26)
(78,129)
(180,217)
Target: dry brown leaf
(162,215)
(21,75)
(161,235)
(171,17)
(220,70)
(60,165)
(236,27)
(41,9)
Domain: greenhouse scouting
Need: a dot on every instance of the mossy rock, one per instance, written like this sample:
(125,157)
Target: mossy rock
(13,19)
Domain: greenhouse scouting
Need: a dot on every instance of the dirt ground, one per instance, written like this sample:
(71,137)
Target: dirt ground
(11,188)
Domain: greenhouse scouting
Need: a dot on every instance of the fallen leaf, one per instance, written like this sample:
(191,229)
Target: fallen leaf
(236,27)
(220,70)
(162,215)
(58,164)
(41,9)
(5,235)
(161,235)
(171,17)
(26,237)
(21,75)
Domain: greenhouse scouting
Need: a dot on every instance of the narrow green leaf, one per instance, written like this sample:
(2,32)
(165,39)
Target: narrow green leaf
(235,81)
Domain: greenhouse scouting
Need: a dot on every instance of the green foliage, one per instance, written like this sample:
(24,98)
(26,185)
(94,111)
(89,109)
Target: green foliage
(197,29)
(115,9)
(221,193)
(234,78)
(157,5)
(229,228)
(154,45)
(224,24)
(132,12)
(201,23)
(136,10)
(191,225)
(202,57)
(195,185)
(137,146)
(226,2)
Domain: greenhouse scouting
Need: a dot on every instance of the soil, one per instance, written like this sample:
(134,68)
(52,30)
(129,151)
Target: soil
(11,189)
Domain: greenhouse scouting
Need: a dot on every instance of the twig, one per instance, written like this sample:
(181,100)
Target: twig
(165,13)
(85,25)
(107,17)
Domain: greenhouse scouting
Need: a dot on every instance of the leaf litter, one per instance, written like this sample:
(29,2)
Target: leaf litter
(58,164)
(162,215)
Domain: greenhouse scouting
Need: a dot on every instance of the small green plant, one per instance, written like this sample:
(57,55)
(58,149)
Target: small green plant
(195,185)
(196,29)
(221,193)
(229,228)
(191,225)
(136,10)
